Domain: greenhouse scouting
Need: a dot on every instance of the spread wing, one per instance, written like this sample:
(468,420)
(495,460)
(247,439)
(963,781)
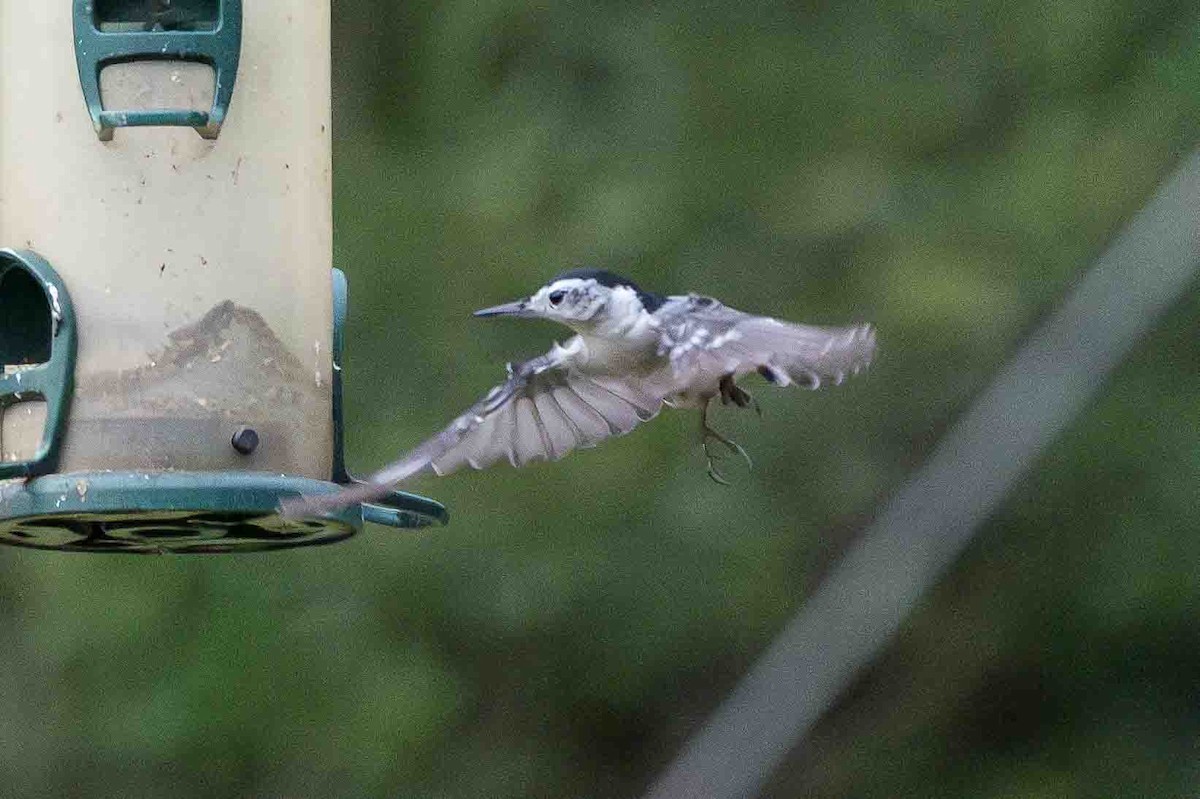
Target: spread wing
(545,409)
(705,340)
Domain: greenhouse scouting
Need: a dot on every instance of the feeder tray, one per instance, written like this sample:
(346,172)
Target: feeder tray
(150,512)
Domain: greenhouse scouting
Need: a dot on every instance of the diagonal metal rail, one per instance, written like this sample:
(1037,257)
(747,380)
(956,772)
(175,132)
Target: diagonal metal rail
(861,604)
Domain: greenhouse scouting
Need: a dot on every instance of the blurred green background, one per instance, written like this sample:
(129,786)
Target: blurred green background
(945,170)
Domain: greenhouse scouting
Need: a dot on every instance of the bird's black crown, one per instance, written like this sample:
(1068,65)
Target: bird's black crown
(650,301)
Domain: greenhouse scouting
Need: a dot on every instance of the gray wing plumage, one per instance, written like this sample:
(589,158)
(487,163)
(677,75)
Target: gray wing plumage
(545,409)
(704,340)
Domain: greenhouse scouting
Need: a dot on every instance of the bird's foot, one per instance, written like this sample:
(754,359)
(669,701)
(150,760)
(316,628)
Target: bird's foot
(731,392)
(711,458)
(711,465)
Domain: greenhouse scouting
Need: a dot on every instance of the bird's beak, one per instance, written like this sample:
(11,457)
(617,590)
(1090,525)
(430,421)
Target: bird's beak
(518,308)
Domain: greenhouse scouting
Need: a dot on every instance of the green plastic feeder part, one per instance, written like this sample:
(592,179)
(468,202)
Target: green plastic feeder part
(146,511)
(37,352)
(109,32)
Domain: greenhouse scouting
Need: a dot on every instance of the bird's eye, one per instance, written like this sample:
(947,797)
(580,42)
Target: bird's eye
(556,297)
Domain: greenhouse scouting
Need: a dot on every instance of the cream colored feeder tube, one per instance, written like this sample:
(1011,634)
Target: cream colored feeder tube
(199,268)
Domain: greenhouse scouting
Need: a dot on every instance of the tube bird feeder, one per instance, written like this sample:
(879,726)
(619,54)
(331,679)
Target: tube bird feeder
(170,321)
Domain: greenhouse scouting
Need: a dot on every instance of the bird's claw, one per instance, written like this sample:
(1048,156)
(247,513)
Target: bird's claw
(715,475)
(711,459)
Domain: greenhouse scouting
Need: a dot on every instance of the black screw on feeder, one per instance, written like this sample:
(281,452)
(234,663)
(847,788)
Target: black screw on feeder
(245,440)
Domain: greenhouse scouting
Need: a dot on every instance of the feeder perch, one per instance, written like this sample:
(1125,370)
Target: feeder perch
(170,320)
(110,32)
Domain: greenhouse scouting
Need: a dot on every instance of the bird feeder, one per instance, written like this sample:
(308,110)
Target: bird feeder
(170,321)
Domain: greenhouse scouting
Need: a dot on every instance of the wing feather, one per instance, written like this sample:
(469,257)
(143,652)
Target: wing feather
(705,340)
(528,442)
(545,409)
(644,402)
(593,427)
(561,435)
(619,415)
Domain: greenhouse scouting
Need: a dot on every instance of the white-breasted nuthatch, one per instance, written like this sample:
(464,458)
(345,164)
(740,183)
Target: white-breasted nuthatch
(634,352)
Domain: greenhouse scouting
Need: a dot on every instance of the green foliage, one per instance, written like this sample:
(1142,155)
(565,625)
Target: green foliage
(944,170)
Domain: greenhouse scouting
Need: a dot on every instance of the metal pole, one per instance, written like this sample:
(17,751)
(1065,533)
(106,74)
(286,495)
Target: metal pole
(855,612)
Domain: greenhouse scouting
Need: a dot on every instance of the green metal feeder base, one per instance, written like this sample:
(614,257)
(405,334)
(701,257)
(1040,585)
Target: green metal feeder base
(184,512)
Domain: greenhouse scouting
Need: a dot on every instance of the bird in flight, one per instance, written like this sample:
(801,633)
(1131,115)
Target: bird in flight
(633,353)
